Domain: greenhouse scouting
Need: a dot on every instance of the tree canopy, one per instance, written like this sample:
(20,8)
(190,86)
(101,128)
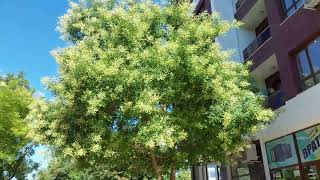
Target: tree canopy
(15,146)
(144,90)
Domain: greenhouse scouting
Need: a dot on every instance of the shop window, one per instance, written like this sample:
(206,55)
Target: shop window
(312,171)
(281,152)
(308,141)
(288,173)
(240,172)
(308,61)
(250,164)
(282,155)
(290,6)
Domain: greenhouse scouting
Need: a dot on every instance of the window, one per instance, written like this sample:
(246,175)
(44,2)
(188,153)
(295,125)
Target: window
(289,173)
(308,61)
(290,6)
(249,167)
(240,172)
(308,166)
(312,170)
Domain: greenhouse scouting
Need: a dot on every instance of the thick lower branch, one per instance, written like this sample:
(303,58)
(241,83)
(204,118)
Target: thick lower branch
(173,172)
(155,166)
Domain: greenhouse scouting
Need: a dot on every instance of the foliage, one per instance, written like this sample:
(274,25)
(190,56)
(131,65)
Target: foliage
(184,175)
(65,168)
(144,90)
(15,147)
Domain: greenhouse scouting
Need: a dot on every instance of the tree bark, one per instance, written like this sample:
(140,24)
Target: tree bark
(173,172)
(155,166)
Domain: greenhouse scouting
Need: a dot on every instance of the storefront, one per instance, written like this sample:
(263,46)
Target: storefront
(295,156)
(250,165)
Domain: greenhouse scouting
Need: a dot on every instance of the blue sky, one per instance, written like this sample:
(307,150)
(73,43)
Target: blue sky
(27,35)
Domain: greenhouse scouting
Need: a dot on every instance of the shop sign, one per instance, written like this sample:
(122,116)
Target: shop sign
(281,152)
(309,143)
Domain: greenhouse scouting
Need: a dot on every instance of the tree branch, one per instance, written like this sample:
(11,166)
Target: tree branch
(173,172)
(15,167)
(155,165)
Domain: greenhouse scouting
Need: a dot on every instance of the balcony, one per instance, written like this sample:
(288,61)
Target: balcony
(250,13)
(276,100)
(239,4)
(243,7)
(259,41)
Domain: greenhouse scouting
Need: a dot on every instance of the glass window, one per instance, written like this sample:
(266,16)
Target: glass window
(299,3)
(289,173)
(290,6)
(292,173)
(291,11)
(281,152)
(240,170)
(304,67)
(312,171)
(288,3)
(308,61)
(314,53)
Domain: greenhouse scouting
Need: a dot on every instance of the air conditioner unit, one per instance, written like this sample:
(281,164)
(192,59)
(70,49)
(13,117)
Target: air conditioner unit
(311,4)
(251,154)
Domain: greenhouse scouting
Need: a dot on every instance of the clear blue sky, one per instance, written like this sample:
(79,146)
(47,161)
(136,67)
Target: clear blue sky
(27,35)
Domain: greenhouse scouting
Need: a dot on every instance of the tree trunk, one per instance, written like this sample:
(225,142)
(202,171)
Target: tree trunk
(155,166)
(173,172)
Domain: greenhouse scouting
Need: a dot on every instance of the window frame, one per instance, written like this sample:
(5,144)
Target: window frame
(293,6)
(313,74)
(300,164)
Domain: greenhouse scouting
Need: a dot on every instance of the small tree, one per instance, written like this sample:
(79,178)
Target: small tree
(144,90)
(15,147)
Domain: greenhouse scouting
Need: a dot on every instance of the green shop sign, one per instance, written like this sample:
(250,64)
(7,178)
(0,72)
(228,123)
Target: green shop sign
(281,152)
(309,144)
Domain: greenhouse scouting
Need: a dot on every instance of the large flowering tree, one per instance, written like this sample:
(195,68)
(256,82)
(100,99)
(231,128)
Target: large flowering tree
(143,90)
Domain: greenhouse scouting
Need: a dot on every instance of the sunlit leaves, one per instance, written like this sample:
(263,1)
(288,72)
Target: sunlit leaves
(139,79)
(15,147)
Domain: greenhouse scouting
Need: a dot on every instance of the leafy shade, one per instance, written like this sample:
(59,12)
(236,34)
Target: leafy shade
(145,90)
(15,147)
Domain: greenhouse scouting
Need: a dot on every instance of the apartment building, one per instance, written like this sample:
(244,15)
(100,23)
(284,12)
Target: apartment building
(282,39)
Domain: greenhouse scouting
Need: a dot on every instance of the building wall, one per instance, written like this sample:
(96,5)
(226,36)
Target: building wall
(228,41)
(289,36)
(299,113)
(236,39)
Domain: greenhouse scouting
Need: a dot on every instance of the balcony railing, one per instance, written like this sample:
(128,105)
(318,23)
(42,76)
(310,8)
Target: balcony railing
(276,100)
(239,3)
(254,45)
